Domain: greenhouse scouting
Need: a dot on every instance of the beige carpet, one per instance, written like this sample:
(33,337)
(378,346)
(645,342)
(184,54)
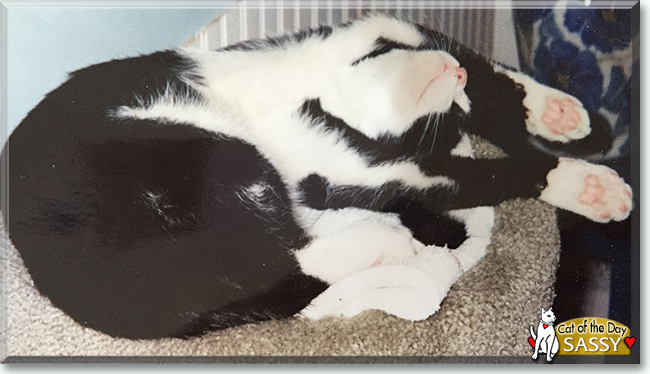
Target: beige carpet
(486,314)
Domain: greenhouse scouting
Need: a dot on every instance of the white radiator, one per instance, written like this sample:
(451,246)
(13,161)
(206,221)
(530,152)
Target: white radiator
(257,19)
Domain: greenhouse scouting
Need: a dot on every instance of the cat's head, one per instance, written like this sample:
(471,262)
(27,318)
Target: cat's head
(393,77)
(548,316)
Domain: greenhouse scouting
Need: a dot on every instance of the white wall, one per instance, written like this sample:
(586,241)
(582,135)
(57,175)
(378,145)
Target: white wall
(44,44)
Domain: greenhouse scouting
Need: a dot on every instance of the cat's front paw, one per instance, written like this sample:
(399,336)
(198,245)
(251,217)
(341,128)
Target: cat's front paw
(559,117)
(552,114)
(594,191)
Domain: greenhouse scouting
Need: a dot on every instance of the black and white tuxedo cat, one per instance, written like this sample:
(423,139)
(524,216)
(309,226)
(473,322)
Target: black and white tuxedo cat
(185,191)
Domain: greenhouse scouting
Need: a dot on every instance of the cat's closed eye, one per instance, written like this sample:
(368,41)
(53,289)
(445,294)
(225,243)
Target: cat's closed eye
(383,46)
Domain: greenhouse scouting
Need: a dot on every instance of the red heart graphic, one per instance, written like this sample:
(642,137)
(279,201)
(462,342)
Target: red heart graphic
(630,341)
(532,341)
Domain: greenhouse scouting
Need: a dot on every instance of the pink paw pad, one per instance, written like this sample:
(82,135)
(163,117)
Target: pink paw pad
(593,192)
(561,115)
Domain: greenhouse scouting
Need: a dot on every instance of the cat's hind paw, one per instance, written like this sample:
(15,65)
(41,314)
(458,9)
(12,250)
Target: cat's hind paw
(594,191)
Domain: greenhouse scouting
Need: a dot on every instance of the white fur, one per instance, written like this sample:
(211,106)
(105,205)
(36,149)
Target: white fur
(566,184)
(412,85)
(349,240)
(258,195)
(412,290)
(463,148)
(243,81)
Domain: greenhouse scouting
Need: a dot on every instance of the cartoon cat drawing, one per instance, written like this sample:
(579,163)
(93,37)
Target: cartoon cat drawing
(545,340)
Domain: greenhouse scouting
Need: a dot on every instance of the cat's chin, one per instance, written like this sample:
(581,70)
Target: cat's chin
(443,91)
(439,98)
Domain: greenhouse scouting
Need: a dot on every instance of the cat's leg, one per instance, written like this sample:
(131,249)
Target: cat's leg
(549,347)
(555,347)
(593,191)
(552,114)
(481,182)
(348,240)
(478,225)
(373,262)
(544,346)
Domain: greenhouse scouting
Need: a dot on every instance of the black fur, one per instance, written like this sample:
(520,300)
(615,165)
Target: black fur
(383,46)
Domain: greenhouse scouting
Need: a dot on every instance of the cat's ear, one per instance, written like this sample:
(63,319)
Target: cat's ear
(543,311)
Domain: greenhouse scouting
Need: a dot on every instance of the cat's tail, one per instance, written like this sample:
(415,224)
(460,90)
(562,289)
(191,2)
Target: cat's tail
(532,333)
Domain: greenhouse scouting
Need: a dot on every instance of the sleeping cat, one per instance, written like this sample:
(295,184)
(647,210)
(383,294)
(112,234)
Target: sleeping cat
(322,173)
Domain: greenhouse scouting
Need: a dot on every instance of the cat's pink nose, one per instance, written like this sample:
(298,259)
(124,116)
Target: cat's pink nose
(461,74)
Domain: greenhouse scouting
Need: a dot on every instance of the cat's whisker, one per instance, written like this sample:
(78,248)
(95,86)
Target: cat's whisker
(435,131)
(438,45)
(426,128)
(437,21)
